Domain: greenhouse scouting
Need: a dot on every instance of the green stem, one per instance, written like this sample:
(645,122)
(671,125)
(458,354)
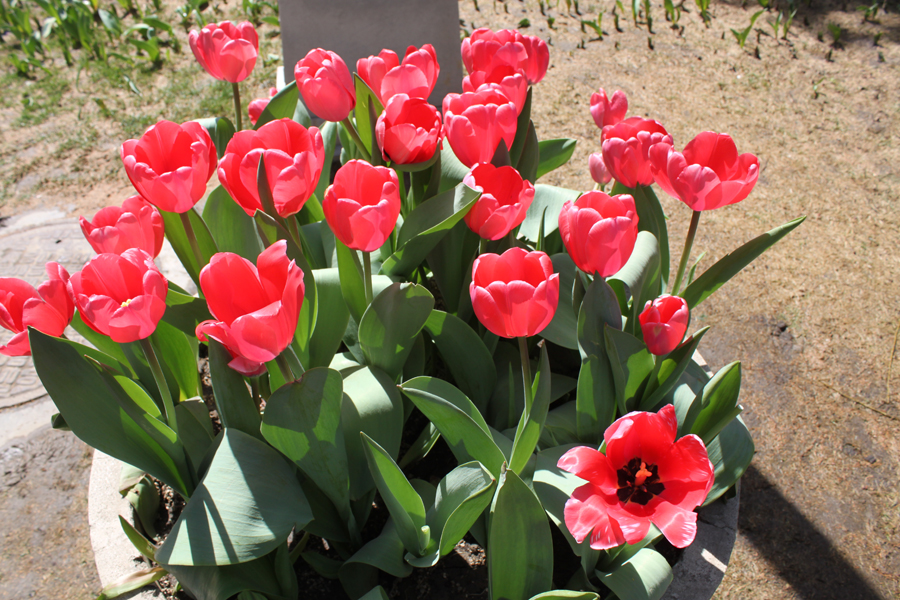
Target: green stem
(686,254)
(404,197)
(286,371)
(153,361)
(294,361)
(236,92)
(192,239)
(351,130)
(482,246)
(254,391)
(526,371)
(297,233)
(367,276)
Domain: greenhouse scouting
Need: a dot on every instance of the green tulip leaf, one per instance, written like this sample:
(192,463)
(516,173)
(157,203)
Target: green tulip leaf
(718,402)
(595,399)
(554,154)
(566,595)
(673,366)
(131,581)
(730,452)
(532,420)
(641,276)
(522,122)
(645,576)
(220,131)
(231,227)
(385,553)
(179,357)
(451,264)
(331,318)
(389,327)
(548,202)
(176,235)
(529,161)
(283,105)
(631,364)
(195,430)
(452,170)
(271,575)
(236,406)
(364,125)
(329,132)
(563,328)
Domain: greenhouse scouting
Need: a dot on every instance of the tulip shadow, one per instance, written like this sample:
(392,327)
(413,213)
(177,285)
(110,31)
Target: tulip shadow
(802,554)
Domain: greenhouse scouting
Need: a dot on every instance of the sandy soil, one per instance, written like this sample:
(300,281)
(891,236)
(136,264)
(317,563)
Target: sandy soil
(814,321)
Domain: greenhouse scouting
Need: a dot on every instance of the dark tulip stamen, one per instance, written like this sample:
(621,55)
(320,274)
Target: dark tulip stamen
(638,482)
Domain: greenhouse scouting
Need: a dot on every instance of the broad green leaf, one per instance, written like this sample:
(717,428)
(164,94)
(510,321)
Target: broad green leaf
(452,171)
(385,553)
(670,371)
(246,505)
(458,420)
(522,122)
(220,130)
(717,275)
(532,420)
(140,543)
(645,576)
(563,328)
(599,309)
(371,404)
(236,406)
(179,358)
(194,429)
(554,154)
(108,352)
(530,159)
(331,318)
(631,364)
(351,277)
(548,201)
(718,402)
(641,275)
(329,132)
(389,326)
(327,522)
(451,264)
(231,227)
(554,486)
(184,311)
(302,421)
(520,563)
(281,106)
(426,225)
(730,452)
(224,581)
(566,595)
(376,593)
(364,126)
(144,499)
(178,238)
(132,581)
(402,501)
(650,218)
(595,399)
(468,359)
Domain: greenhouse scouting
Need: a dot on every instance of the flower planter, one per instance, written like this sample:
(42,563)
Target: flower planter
(697,574)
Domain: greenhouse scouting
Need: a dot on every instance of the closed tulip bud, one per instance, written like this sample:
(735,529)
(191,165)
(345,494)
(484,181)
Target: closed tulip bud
(325,84)
(484,50)
(373,69)
(626,148)
(599,231)
(708,174)
(49,308)
(608,111)
(415,76)
(599,172)
(115,229)
(293,155)
(256,107)
(408,130)
(362,205)
(505,198)
(256,306)
(509,81)
(122,296)
(476,122)
(514,294)
(171,164)
(226,51)
(664,322)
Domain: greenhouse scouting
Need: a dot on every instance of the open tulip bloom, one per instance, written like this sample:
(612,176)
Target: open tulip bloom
(534,328)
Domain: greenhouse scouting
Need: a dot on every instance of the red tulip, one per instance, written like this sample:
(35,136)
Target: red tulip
(325,84)
(257,307)
(256,107)
(115,229)
(626,147)
(415,76)
(708,174)
(484,50)
(505,198)
(171,164)
(49,308)
(294,156)
(475,122)
(122,296)
(227,51)
(664,322)
(408,130)
(373,69)
(362,205)
(599,172)
(507,80)
(599,231)
(514,294)
(645,477)
(608,111)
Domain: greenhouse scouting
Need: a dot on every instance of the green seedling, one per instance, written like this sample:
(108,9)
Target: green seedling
(595,25)
(524,23)
(741,35)
(869,12)
(835,30)
(786,25)
(703,5)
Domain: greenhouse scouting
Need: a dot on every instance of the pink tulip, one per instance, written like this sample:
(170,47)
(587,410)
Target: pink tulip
(514,294)
(408,130)
(362,205)
(373,69)
(626,148)
(227,51)
(325,84)
(171,164)
(49,308)
(708,174)
(484,50)
(256,306)
(608,111)
(645,477)
(115,229)
(599,172)
(256,107)
(509,81)
(505,198)
(664,322)
(294,157)
(475,122)
(122,296)
(599,231)
(415,76)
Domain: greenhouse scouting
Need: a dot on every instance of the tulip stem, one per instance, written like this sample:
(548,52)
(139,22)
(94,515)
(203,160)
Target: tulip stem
(254,391)
(367,276)
(404,197)
(686,254)
(294,361)
(236,91)
(285,368)
(526,371)
(153,361)
(192,239)
(351,131)
(482,246)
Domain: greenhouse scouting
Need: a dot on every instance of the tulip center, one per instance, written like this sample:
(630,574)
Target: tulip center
(127,302)
(638,482)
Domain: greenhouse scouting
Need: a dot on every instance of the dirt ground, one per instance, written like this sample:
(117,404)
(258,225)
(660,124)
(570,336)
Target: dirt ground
(814,321)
